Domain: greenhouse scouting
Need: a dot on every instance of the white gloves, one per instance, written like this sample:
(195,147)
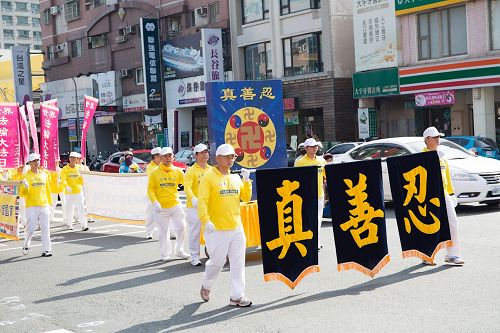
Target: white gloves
(68,189)
(209,227)
(245,174)
(156,207)
(454,200)
(25,183)
(194,202)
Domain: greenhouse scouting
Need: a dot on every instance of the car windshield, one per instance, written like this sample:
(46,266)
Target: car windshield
(451,150)
(145,157)
(486,143)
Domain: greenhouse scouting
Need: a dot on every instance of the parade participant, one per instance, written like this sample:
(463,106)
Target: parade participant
(431,138)
(127,162)
(81,164)
(56,190)
(155,162)
(72,183)
(17,174)
(35,188)
(191,182)
(219,195)
(310,158)
(162,191)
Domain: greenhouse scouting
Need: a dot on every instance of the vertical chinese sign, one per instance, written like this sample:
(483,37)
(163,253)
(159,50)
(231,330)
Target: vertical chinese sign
(288,211)
(213,57)
(49,142)
(9,136)
(357,202)
(21,66)
(89,107)
(419,204)
(31,118)
(249,116)
(151,62)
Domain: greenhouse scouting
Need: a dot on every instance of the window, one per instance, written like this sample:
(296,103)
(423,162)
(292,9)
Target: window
(21,6)
(71,10)
(35,8)
(23,34)
(22,20)
(6,5)
(37,36)
(8,34)
(255,10)
(258,62)
(292,6)
(139,76)
(76,48)
(37,47)
(8,46)
(213,11)
(7,19)
(35,22)
(50,52)
(442,33)
(94,42)
(495,24)
(302,54)
(190,19)
(46,17)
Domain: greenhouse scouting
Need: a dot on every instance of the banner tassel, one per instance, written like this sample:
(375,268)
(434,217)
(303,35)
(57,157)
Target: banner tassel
(280,277)
(362,269)
(423,256)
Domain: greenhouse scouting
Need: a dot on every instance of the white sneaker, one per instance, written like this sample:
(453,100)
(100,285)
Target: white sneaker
(26,250)
(166,258)
(148,236)
(182,254)
(454,260)
(196,262)
(242,302)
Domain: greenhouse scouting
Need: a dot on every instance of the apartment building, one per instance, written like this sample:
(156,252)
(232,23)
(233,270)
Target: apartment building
(20,24)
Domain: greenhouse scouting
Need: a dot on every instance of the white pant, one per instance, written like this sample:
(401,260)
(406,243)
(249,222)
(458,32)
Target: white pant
(54,205)
(75,201)
(321,205)
(163,218)
(222,244)
(150,221)
(194,227)
(453,251)
(38,215)
(22,211)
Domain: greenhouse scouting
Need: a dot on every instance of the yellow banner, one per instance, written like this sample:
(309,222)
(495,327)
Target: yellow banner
(9,227)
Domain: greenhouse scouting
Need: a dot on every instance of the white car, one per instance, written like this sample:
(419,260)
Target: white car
(474,178)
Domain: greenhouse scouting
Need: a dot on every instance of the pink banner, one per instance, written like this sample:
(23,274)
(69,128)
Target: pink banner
(24,136)
(9,135)
(89,107)
(49,136)
(445,97)
(53,102)
(34,134)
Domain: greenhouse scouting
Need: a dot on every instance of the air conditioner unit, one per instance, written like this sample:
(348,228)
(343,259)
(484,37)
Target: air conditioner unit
(88,3)
(59,47)
(130,30)
(201,11)
(120,39)
(125,72)
(54,10)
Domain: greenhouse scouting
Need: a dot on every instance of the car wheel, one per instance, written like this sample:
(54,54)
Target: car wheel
(493,203)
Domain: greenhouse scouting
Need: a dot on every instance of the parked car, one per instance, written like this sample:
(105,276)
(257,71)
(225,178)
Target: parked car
(341,148)
(112,163)
(474,178)
(479,145)
(290,155)
(145,155)
(185,156)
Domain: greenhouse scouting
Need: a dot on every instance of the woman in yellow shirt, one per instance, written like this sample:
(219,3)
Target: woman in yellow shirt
(35,188)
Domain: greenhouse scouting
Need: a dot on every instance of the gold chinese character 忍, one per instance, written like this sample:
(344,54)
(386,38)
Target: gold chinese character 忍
(267,92)
(362,212)
(228,94)
(289,227)
(419,193)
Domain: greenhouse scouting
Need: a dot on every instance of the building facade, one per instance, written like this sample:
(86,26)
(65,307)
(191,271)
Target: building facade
(20,24)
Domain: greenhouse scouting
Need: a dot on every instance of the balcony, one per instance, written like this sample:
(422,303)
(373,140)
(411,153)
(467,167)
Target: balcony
(7,8)
(24,37)
(8,37)
(8,22)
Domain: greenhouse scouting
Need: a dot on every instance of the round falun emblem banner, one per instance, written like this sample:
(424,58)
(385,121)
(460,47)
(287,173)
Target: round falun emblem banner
(252,134)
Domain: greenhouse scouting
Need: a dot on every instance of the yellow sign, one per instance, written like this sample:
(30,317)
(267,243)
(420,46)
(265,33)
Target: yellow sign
(8,218)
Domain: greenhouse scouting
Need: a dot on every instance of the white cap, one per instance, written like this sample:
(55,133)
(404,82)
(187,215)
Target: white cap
(311,142)
(75,154)
(199,148)
(166,150)
(155,151)
(33,156)
(225,149)
(432,132)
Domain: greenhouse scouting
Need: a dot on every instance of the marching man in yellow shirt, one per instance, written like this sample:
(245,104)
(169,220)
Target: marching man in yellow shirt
(191,183)
(162,191)
(219,195)
(72,182)
(56,190)
(155,162)
(36,190)
(310,159)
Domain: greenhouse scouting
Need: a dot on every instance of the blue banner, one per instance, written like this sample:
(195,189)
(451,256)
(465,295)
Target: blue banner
(151,62)
(249,116)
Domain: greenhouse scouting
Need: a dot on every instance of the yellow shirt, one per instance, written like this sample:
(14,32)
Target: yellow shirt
(150,167)
(71,177)
(219,199)
(307,161)
(82,167)
(38,192)
(192,181)
(55,181)
(445,174)
(162,185)
(13,174)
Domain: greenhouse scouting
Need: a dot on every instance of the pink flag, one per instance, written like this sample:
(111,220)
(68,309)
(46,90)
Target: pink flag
(53,102)
(49,136)
(31,118)
(9,135)
(24,136)
(90,105)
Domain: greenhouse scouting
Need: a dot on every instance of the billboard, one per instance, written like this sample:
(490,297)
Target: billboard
(182,57)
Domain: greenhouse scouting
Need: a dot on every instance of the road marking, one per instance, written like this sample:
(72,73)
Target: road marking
(59,331)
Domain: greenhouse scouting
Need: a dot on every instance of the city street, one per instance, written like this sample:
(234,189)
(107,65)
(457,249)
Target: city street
(110,279)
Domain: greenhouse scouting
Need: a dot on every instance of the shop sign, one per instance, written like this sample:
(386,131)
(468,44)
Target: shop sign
(134,103)
(411,6)
(102,120)
(182,57)
(291,118)
(213,56)
(72,130)
(107,86)
(64,92)
(382,82)
(160,140)
(445,97)
(375,39)
(151,62)
(186,92)
(290,104)
(367,123)
(22,73)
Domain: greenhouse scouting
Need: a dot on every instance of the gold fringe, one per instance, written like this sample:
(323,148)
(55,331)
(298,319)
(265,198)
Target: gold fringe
(370,272)
(114,219)
(2,235)
(424,257)
(280,277)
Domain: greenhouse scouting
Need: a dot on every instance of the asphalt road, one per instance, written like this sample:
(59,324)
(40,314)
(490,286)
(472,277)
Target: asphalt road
(110,279)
